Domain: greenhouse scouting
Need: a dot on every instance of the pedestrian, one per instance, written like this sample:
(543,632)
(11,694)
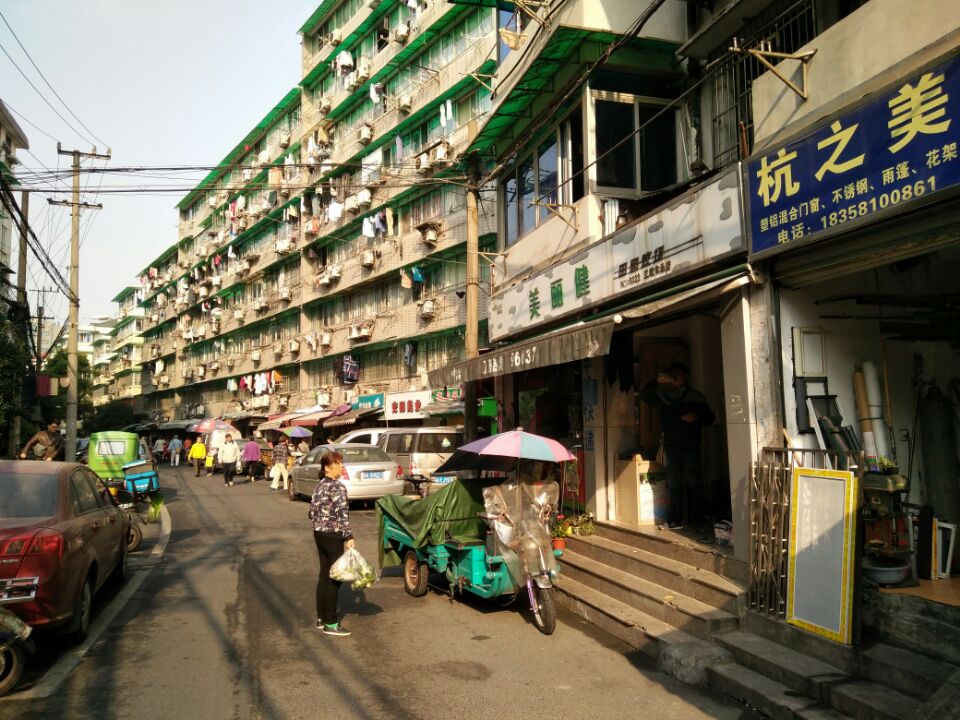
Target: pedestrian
(174,448)
(251,459)
(45,444)
(198,455)
(229,455)
(684,413)
(281,452)
(159,446)
(330,515)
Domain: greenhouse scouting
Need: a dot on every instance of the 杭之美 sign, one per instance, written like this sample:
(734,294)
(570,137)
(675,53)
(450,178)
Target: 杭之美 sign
(899,149)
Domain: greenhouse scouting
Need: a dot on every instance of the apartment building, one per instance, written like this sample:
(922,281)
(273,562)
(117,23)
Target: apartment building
(322,262)
(12,139)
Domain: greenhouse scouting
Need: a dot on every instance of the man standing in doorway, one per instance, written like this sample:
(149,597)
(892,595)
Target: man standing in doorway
(684,413)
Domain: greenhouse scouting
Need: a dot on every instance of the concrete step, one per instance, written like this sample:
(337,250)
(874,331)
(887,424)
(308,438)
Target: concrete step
(676,547)
(672,651)
(700,584)
(796,671)
(833,653)
(682,612)
(905,671)
(866,700)
(770,697)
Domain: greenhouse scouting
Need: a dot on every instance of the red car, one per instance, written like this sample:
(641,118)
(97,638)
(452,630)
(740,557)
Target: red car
(61,537)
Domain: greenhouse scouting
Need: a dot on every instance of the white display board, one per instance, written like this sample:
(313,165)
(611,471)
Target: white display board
(822,552)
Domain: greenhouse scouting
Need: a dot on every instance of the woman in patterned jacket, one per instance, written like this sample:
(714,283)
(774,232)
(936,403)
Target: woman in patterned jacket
(330,514)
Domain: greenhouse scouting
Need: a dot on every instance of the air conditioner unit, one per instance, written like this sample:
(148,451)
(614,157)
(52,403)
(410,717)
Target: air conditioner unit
(364,198)
(238,314)
(187,373)
(363,71)
(428,310)
(350,203)
(283,400)
(215,327)
(326,103)
(214,366)
(404,103)
(200,331)
(216,280)
(334,37)
(247,175)
(401,32)
(212,201)
(260,304)
(284,293)
(255,356)
(294,346)
(324,150)
(201,371)
(155,317)
(188,334)
(164,379)
(285,140)
(326,339)
(230,363)
(364,133)
(283,246)
(323,278)
(423,162)
(352,82)
(362,331)
(278,348)
(352,332)
(430,234)
(251,257)
(334,272)
(367,258)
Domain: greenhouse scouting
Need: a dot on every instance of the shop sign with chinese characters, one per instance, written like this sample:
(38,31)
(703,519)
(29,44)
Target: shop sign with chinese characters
(406,405)
(368,402)
(697,228)
(896,151)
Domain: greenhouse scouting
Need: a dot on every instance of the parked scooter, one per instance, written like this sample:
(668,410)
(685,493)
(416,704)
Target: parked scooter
(15,645)
(127,501)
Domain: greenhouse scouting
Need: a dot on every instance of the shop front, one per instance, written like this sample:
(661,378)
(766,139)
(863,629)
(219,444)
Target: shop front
(864,273)
(668,289)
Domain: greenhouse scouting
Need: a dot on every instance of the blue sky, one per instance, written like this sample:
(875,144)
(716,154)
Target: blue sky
(170,83)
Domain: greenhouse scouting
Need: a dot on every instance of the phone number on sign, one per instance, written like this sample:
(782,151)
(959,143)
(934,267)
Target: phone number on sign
(879,202)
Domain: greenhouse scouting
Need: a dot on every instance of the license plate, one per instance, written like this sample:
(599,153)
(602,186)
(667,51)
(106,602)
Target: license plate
(442,479)
(372,475)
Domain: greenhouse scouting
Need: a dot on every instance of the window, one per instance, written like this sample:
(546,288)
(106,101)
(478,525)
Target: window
(85,497)
(635,142)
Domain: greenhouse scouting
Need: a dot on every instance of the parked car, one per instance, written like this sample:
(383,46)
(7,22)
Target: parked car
(420,451)
(368,472)
(364,436)
(61,537)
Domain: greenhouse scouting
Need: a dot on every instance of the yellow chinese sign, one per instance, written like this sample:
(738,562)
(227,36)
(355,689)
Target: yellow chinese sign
(897,149)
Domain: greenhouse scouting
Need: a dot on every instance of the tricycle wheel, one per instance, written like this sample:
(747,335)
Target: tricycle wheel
(134,536)
(12,661)
(545,613)
(414,575)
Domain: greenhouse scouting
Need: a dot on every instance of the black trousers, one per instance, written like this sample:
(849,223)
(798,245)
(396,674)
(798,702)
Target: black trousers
(229,470)
(329,548)
(197,464)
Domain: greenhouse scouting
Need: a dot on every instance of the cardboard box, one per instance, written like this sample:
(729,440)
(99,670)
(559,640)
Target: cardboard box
(641,493)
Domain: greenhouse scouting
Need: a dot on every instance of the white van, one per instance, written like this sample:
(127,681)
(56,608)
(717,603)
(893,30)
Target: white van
(365,436)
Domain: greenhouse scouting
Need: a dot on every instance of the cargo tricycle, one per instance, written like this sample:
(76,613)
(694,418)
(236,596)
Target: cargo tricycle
(487,531)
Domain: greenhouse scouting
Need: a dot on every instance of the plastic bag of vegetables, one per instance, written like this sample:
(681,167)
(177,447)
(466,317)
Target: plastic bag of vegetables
(352,568)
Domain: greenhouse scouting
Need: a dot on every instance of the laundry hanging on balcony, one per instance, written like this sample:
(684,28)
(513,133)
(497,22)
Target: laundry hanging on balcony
(344,62)
(368,230)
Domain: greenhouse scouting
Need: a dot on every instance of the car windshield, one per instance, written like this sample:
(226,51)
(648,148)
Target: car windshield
(363,454)
(440,442)
(32,496)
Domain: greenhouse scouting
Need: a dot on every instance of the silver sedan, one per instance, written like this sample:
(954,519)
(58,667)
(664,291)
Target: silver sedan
(368,472)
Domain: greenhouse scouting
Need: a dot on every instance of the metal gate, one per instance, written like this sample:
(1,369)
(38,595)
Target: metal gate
(770,520)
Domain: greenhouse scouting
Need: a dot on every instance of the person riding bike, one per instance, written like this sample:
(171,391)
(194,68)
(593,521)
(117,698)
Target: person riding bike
(45,444)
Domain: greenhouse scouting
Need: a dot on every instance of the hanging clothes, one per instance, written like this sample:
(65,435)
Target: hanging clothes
(398,147)
(405,281)
(368,229)
(334,210)
(379,222)
(416,274)
(389,214)
(322,136)
(443,115)
(450,110)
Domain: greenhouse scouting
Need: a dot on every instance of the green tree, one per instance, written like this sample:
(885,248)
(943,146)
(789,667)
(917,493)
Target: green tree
(115,415)
(55,407)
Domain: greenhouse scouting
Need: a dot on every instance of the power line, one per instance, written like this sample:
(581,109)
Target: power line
(31,124)
(63,102)
(42,97)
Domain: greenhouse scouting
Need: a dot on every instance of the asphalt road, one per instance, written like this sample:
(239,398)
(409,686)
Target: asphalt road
(223,627)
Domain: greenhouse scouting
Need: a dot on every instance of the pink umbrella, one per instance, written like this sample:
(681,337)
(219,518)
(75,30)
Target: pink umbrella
(208,425)
(501,452)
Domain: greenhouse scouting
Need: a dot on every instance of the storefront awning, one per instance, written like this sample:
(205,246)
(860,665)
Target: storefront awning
(312,419)
(697,295)
(175,425)
(276,422)
(349,418)
(438,407)
(585,340)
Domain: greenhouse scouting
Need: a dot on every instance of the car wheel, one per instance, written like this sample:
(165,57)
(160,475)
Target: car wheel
(414,575)
(80,625)
(122,571)
(12,661)
(134,536)
(292,493)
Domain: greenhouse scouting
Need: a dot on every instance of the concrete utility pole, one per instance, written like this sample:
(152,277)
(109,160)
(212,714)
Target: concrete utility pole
(472,334)
(13,442)
(73,375)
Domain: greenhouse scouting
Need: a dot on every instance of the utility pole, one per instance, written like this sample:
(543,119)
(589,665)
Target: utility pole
(13,442)
(40,318)
(472,334)
(73,375)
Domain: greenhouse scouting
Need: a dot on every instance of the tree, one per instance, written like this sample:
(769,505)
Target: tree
(115,415)
(14,366)
(55,407)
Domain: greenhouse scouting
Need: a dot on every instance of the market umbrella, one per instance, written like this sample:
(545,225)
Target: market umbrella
(297,432)
(208,425)
(502,451)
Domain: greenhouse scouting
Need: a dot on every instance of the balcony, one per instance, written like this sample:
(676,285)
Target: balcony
(394,255)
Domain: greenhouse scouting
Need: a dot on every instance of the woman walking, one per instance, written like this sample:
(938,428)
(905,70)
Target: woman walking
(198,454)
(330,514)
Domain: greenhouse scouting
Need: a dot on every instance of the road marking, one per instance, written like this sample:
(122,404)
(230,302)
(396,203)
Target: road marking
(62,668)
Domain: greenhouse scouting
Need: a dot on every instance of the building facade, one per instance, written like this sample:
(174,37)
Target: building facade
(12,139)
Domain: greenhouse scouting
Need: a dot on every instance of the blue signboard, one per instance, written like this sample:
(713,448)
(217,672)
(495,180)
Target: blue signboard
(898,150)
(368,402)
